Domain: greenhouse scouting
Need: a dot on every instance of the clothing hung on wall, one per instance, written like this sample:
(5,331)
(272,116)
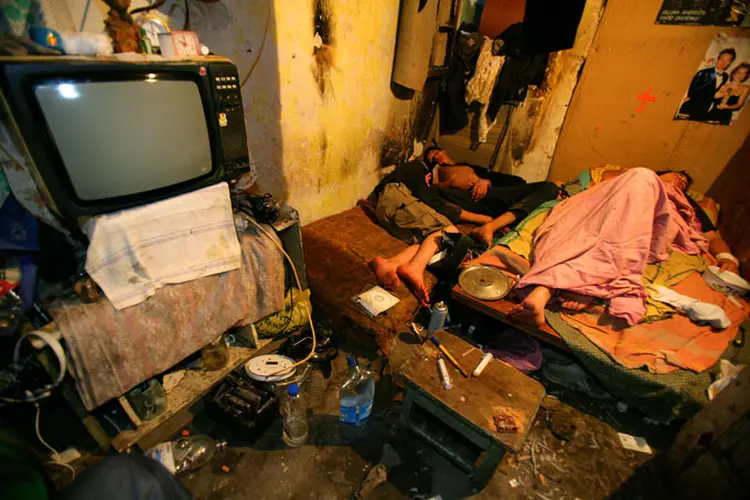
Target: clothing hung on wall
(479,88)
(520,70)
(453,113)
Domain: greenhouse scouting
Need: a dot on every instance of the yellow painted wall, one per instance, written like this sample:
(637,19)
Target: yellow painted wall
(321,151)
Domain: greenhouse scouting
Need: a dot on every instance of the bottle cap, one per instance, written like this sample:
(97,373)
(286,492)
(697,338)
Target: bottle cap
(293,389)
(351,360)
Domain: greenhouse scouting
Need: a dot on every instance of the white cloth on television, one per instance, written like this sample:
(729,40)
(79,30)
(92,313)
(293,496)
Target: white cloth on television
(134,252)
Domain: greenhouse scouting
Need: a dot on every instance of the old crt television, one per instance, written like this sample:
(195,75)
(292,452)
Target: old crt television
(105,136)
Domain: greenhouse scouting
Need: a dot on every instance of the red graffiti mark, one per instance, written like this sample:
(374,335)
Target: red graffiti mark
(645,97)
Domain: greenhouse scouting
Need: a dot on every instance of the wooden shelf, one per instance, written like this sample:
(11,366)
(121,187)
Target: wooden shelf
(191,388)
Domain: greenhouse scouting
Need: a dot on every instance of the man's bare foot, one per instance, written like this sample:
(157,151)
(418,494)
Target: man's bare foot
(484,234)
(385,272)
(502,258)
(414,279)
(531,310)
(575,301)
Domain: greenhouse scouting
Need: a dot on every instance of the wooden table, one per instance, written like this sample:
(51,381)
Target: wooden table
(469,407)
(498,309)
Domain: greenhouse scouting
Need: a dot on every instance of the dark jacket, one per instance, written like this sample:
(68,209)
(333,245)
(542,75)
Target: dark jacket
(701,93)
(412,175)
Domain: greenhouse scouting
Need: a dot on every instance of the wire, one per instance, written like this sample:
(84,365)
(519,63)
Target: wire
(55,454)
(299,287)
(39,434)
(262,44)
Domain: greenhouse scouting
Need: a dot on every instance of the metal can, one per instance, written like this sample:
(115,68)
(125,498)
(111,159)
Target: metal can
(438,317)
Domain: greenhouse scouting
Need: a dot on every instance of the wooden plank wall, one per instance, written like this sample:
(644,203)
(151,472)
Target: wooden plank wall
(631,55)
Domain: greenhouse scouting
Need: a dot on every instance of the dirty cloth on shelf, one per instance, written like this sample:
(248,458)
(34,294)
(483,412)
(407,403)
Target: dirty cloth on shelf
(114,350)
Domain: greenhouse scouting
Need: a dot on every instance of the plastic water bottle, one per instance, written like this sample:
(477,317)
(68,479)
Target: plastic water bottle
(295,430)
(186,453)
(355,403)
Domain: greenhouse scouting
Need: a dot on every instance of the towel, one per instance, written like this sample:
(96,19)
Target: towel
(136,251)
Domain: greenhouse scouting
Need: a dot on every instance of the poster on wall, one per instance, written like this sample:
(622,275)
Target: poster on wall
(719,89)
(705,12)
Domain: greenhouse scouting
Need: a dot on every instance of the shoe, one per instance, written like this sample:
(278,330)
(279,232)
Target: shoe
(572,376)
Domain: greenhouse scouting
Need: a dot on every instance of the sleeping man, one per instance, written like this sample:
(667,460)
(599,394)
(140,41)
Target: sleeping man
(417,203)
(597,243)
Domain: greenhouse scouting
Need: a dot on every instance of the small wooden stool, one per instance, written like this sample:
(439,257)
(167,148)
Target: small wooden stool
(458,428)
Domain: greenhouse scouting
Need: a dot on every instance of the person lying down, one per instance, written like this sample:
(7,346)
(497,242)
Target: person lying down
(597,244)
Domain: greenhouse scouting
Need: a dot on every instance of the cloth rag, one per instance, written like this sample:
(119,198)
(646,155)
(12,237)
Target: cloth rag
(666,345)
(136,251)
(698,311)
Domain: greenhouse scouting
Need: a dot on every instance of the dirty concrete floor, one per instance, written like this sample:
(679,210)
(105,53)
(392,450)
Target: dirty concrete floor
(591,464)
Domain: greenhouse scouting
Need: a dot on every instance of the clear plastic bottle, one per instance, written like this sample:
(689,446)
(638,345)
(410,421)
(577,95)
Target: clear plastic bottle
(355,400)
(294,416)
(193,452)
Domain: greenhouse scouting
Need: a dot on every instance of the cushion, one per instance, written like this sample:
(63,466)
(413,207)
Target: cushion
(337,252)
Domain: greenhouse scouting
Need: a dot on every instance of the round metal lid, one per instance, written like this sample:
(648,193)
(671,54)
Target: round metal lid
(485,282)
(260,368)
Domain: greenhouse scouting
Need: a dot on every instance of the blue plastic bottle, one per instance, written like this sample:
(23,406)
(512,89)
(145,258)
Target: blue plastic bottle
(356,398)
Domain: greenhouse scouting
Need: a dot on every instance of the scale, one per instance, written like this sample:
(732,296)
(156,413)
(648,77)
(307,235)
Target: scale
(485,282)
(262,368)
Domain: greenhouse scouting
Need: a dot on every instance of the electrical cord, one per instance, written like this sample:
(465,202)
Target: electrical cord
(262,44)
(55,454)
(299,287)
(57,349)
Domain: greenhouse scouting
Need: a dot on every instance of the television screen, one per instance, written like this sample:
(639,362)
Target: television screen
(125,137)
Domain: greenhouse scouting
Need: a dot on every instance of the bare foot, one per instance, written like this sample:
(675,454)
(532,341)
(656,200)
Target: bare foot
(415,281)
(575,301)
(483,234)
(502,258)
(531,310)
(385,273)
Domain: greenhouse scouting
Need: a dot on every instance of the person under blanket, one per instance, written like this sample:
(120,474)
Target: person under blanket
(505,198)
(513,251)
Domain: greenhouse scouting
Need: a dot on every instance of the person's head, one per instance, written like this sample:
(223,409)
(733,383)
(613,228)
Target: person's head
(740,73)
(678,178)
(436,156)
(725,59)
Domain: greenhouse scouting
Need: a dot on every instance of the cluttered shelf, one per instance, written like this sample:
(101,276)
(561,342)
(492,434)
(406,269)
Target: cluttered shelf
(190,389)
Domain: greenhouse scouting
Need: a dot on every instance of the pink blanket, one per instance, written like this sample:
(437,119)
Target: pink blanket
(598,242)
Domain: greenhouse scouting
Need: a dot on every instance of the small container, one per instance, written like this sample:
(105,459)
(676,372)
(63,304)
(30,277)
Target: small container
(147,399)
(438,318)
(356,397)
(445,377)
(186,453)
(482,364)
(294,414)
(215,355)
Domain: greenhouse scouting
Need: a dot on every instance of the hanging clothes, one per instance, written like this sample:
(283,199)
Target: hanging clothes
(479,88)
(453,113)
(520,70)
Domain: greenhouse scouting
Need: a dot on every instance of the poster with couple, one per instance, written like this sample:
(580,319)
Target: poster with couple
(719,89)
